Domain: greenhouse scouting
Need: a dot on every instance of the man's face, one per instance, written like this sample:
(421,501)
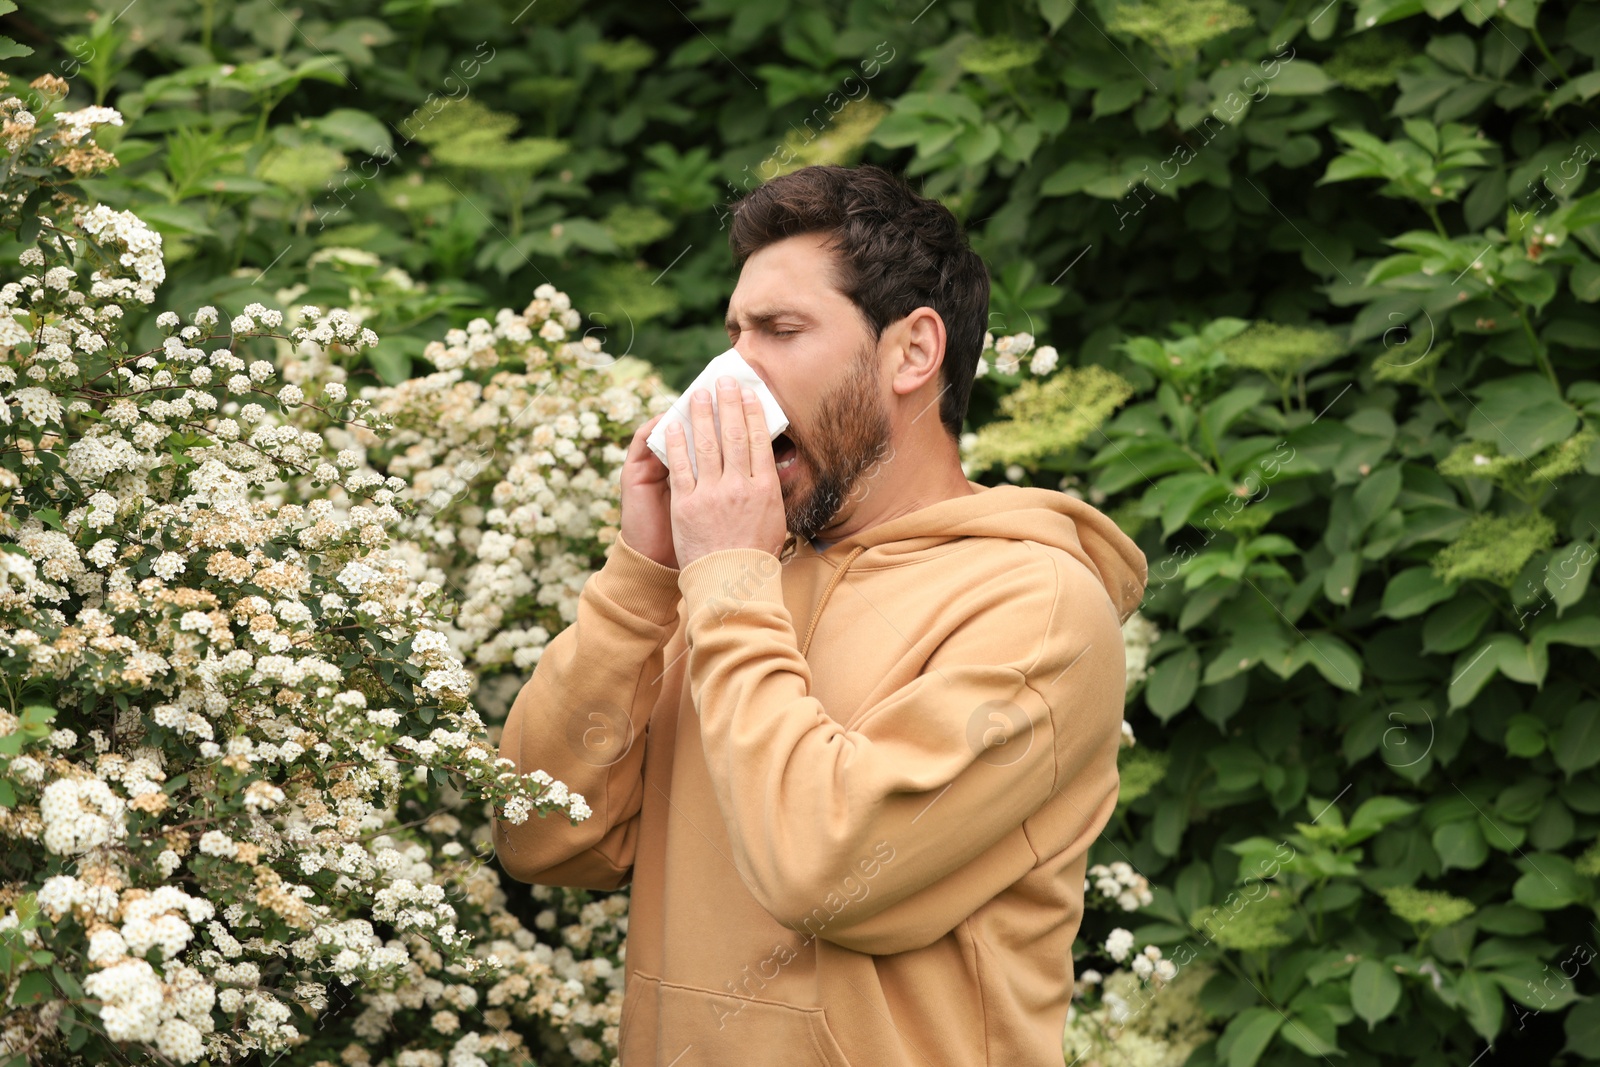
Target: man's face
(814,350)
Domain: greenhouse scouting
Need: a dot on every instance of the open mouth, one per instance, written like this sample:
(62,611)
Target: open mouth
(784,451)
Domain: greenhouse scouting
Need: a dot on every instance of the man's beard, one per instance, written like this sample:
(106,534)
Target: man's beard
(850,432)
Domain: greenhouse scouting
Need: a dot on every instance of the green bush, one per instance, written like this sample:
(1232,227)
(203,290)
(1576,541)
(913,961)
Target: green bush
(1333,265)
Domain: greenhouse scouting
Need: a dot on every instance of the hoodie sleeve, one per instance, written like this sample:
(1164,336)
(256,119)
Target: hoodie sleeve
(885,836)
(581,718)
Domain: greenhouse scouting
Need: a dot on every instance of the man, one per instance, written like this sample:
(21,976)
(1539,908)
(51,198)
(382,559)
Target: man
(851,773)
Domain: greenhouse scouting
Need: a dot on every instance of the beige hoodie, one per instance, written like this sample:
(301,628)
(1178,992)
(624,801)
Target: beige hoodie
(853,791)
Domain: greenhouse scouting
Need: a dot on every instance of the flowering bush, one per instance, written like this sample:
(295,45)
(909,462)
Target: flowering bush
(258,643)
(511,447)
(219,702)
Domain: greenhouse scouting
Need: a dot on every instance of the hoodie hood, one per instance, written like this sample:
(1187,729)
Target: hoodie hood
(1015,512)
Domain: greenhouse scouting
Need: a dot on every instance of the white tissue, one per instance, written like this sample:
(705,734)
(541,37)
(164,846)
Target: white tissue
(732,364)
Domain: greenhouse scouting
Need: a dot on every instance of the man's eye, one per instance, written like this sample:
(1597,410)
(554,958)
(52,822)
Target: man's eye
(784,333)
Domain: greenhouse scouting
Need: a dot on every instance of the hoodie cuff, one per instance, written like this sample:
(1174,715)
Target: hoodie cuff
(729,579)
(638,584)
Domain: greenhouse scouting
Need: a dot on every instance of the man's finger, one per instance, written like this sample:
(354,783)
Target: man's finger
(680,476)
(755,420)
(735,447)
(639,446)
(707,449)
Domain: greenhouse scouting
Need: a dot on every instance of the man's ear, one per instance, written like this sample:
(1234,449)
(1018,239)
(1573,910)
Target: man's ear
(919,340)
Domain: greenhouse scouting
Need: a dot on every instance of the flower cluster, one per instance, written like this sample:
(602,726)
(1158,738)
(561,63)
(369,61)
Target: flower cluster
(1123,1020)
(1138,634)
(1008,352)
(1118,884)
(512,451)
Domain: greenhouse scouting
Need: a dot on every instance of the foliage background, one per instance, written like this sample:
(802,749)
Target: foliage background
(1349,311)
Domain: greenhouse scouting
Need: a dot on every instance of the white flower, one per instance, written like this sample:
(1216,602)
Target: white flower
(1119,944)
(1044,360)
(217,843)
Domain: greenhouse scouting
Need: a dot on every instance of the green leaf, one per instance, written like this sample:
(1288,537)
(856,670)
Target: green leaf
(1339,581)
(32,988)
(1522,415)
(1525,736)
(1301,78)
(1249,1034)
(1567,576)
(1551,883)
(1172,683)
(1375,496)
(1480,997)
(1472,671)
(1413,591)
(392,365)
(1374,814)
(1313,1031)
(1226,409)
(1580,630)
(1585,280)
(1461,844)
(1056,12)
(1583,1029)
(1452,626)
(1334,660)
(1577,744)
(1509,919)
(1374,991)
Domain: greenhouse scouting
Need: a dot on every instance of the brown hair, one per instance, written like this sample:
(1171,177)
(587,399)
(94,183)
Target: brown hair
(898,251)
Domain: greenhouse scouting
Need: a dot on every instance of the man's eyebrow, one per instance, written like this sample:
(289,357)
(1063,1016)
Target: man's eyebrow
(765,316)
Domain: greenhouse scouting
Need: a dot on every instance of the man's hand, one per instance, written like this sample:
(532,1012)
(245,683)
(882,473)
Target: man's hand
(735,502)
(646,500)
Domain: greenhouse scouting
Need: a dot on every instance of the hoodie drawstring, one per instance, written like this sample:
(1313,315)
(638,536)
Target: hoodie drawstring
(826,593)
